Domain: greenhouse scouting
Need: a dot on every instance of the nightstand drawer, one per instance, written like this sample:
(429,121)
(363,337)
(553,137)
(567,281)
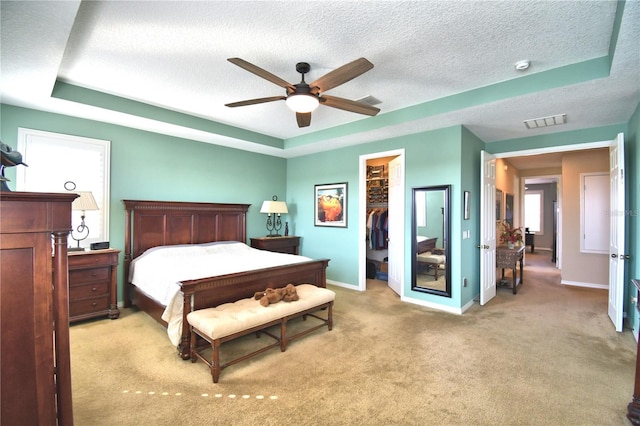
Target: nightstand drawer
(278,244)
(82,276)
(90,290)
(85,306)
(87,259)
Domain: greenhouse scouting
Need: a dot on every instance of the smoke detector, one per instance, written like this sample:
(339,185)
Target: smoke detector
(523,65)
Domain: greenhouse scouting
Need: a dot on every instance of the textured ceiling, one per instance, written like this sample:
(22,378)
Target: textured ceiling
(436,64)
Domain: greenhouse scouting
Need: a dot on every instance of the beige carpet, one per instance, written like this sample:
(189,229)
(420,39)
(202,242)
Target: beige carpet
(546,356)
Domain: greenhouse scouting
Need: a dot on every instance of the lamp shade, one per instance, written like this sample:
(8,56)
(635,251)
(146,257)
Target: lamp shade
(84,202)
(302,102)
(274,207)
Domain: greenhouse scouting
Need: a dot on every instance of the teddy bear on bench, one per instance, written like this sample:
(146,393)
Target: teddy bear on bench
(274,295)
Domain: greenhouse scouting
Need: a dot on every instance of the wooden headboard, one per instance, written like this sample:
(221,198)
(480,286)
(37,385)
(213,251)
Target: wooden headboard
(161,223)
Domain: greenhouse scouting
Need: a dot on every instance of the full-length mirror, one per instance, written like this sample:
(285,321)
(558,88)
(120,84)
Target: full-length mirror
(431,248)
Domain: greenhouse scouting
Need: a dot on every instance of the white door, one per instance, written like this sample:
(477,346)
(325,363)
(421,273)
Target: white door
(616,237)
(487,244)
(395,222)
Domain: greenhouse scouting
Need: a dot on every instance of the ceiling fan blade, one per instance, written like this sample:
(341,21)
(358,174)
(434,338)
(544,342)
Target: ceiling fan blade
(349,105)
(341,75)
(304,119)
(261,73)
(256,101)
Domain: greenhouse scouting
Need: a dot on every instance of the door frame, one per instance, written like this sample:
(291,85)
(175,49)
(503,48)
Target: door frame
(567,148)
(549,150)
(362,218)
(557,180)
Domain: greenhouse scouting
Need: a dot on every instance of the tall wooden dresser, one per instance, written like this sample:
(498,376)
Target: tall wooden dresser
(34,309)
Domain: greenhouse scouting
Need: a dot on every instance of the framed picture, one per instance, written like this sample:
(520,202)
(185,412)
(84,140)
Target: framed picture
(331,205)
(508,209)
(467,207)
(498,204)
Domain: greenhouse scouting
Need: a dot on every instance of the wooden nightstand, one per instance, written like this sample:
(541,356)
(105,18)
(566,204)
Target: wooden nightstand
(93,282)
(278,244)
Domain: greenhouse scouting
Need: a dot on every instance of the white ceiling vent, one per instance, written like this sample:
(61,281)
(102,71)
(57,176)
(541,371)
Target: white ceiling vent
(371,100)
(552,120)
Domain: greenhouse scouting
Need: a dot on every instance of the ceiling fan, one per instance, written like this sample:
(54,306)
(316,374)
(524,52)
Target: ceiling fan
(303,98)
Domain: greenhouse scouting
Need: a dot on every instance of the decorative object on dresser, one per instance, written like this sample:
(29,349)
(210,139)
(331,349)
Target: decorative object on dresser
(8,158)
(85,202)
(275,208)
(150,224)
(288,244)
(93,284)
(34,327)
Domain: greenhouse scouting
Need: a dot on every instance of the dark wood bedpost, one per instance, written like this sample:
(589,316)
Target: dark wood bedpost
(126,292)
(633,409)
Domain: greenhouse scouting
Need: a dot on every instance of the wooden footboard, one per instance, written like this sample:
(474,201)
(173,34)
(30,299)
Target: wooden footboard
(209,292)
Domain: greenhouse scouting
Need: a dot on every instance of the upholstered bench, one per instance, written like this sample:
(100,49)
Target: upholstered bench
(232,320)
(436,261)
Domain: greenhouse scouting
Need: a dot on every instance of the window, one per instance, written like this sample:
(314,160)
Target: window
(57,161)
(421,209)
(533,208)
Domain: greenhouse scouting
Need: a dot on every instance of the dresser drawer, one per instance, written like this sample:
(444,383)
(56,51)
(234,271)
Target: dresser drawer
(89,290)
(81,276)
(86,306)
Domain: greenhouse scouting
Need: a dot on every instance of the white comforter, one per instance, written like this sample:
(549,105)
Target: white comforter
(158,271)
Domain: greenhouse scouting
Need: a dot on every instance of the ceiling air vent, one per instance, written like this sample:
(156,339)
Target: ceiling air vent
(552,120)
(371,100)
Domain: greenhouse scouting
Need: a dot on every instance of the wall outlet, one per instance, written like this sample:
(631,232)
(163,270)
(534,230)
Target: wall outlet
(464,281)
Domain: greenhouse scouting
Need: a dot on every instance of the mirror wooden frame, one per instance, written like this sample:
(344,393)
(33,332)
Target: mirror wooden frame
(446,237)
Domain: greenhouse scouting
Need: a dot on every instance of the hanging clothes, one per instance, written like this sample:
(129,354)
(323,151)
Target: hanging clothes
(377,228)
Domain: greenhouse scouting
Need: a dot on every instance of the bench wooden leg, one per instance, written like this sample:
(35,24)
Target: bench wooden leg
(215,362)
(283,335)
(193,353)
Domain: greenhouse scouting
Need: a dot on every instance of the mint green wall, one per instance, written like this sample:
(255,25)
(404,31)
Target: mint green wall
(151,166)
(633,217)
(431,158)
(470,178)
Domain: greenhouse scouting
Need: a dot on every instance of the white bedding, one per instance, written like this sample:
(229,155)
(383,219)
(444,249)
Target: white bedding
(158,271)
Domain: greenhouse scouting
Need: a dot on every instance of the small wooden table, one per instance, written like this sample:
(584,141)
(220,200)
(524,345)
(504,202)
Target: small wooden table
(507,258)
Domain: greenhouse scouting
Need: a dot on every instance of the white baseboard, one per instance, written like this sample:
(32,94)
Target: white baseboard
(343,285)
(586,285)
(436,306)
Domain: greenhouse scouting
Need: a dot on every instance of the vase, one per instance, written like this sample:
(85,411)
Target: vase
(510,245)
(286,229)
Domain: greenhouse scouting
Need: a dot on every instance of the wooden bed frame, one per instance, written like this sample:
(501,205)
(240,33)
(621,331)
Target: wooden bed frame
(426,245)
(160,223)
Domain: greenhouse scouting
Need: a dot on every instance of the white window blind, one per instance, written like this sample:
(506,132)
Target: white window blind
(533,211)
(56,161)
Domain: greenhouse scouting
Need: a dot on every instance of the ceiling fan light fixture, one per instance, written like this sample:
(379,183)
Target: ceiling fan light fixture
(302,102)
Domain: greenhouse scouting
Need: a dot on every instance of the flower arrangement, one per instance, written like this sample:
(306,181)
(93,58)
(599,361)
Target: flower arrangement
(509,235)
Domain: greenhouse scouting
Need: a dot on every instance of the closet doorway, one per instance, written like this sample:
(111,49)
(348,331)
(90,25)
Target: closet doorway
(382,197)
